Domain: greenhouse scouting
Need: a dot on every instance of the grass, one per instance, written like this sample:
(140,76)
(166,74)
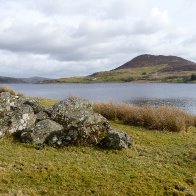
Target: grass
(160,118)
(46,102)
(159,163)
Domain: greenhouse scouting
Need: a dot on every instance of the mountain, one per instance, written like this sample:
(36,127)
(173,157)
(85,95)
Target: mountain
(32,80)
(172,63)
(143,68)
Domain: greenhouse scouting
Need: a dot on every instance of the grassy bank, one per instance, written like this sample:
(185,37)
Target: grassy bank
(159,163)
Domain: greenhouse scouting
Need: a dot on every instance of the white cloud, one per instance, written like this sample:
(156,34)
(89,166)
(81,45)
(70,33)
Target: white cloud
(63,37)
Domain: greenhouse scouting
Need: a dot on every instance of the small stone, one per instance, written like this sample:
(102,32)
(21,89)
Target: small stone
(116,140)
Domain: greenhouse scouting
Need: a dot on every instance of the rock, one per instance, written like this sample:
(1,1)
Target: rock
(116,140)
(37,107)
(4,107)
(3,128)
(82,126)
(20,119)
(71,122)
(69,110)
(10,100)
(14,115)
(41,116)
(38,134)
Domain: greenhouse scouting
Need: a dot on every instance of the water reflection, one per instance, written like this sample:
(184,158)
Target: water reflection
(179,95)
(183,103)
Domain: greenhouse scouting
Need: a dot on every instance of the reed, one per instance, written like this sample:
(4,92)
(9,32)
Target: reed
(165,118)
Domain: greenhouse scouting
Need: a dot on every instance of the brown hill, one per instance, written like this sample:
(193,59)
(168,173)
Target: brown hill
(172,63)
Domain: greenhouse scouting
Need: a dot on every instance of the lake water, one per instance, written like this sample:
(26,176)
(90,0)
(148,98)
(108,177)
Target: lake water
(180,95)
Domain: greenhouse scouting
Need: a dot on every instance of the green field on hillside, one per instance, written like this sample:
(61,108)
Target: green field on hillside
(137,74)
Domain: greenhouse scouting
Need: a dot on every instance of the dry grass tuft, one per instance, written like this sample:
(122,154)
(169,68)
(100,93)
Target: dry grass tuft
(11,91)
(194,118)
(160,118)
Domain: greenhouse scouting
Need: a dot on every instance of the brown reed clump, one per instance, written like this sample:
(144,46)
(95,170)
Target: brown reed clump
(11,91)
(165,118)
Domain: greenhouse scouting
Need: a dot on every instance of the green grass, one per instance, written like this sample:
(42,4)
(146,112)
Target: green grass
(159,163)
(46,102)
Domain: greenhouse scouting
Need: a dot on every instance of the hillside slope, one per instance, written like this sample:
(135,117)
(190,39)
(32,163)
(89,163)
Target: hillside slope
(9,80)
(32,80)
(144,68)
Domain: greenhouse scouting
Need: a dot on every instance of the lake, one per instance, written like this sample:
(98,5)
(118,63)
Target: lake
(180,95)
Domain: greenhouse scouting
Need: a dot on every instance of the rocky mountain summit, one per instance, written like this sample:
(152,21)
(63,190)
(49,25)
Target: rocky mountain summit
(71,122)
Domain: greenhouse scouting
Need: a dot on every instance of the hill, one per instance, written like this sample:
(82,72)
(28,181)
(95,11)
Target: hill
(171,63)
(143,68)
(32,80)
(9,80)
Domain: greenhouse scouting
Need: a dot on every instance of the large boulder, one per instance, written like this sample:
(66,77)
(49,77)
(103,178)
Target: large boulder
(116,140)
(40,132)
(82,126)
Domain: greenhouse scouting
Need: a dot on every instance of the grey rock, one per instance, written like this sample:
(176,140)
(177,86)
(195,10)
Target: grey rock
(20,119)
(80,122)
(37,107)
(116,140)
(38,134)
(41,116)
(71,122)
(11,101)
(3,127)
(14,115)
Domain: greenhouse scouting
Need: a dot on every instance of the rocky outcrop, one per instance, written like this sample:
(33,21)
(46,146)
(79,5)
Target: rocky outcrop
(71,122)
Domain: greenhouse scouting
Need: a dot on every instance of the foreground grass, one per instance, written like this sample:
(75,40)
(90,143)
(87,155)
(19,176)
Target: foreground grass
(159,163)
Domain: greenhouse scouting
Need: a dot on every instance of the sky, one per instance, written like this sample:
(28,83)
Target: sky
(63,38)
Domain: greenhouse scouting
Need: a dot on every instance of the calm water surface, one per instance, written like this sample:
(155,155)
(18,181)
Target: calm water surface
(180,95)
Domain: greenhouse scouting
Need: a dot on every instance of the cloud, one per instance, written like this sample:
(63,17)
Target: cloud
(65,38)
